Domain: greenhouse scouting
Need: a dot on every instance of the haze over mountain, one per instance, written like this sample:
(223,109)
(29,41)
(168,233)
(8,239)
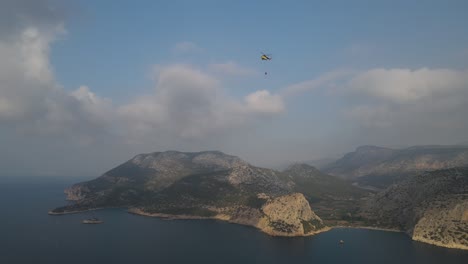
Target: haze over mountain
(380,167)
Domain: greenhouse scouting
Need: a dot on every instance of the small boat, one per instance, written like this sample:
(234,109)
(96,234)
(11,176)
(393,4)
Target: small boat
(341,242)
(92,221)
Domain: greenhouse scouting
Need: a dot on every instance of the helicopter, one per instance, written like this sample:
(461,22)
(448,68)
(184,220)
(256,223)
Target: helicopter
(265,57)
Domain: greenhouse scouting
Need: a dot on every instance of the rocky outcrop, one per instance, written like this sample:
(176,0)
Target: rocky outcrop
(290,215)
(431,207)
(76,192)
(447,226)
(287,215)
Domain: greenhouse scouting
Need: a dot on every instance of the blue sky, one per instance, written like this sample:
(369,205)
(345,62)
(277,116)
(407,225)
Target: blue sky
(111,45)
(106,80)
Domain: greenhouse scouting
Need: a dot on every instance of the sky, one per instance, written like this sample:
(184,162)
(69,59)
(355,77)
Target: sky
(86,85)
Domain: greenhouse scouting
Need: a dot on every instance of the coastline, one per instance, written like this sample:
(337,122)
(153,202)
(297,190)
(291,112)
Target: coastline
(219,217)
(80,211)
(137,211)
(435,243)
(225,218)
(370,228)
(418,239)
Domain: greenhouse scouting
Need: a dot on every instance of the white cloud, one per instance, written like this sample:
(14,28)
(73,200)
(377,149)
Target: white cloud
(395,106)
(31,100)
(264,102)
(231,68)
(326,80)
(405,85)
(403,95)
(186,47)
(188,102)
(402,106)
(100,109)
(25,74)
(188,109)
(371,116)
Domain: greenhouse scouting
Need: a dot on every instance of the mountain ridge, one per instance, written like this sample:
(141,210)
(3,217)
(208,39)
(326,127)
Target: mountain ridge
(207,184)
(214,185)
(380,167)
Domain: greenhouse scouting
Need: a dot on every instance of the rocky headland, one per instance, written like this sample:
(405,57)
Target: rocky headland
(430,206)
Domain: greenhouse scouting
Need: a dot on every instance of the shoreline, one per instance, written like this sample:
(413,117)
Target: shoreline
(137,211)
(193,217)
(225,218)
(219,217)
(81,211)
(370,228)
(435,243)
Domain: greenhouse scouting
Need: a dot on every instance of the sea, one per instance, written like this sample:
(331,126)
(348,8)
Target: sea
(29,235)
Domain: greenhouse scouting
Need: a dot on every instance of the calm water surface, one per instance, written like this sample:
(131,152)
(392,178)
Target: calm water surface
(29,235)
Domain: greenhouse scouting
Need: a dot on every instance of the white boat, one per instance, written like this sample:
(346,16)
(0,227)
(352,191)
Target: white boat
(92,221)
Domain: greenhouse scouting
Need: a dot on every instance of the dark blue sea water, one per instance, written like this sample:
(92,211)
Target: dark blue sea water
(29,235)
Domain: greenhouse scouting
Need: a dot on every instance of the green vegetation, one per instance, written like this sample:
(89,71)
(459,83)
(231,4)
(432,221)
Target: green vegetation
(312,225)
(317,186)
(255,202)
(282,226)
(189,211)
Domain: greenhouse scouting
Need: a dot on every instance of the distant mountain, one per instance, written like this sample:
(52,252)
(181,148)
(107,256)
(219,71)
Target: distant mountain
(322,163)
(431,207)
(380,167)
(207,184)
(335,200)
(317,185)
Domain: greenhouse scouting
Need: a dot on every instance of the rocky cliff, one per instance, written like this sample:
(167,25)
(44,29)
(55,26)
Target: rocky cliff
(431,207)
(290,215)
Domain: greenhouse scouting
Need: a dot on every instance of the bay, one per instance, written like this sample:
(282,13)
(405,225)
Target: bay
(29,235)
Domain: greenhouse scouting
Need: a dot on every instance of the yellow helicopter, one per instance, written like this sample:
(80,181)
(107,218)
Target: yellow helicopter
(265,57)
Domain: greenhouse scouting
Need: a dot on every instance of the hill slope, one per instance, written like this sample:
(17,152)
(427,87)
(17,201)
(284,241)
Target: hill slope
(335,200)
(202,184)
(431,207)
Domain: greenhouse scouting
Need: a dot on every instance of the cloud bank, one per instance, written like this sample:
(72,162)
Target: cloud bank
(47,127)
(189,102)
(187,109)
